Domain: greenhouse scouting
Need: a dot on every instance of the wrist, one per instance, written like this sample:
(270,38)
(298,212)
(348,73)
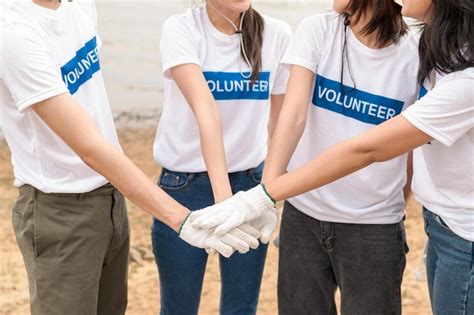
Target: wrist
(267,193)
(220,196)
(177,220)
(186,218)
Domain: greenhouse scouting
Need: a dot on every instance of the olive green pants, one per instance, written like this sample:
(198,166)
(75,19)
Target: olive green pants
(75,248)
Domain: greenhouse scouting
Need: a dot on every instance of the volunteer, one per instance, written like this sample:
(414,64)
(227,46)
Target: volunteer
(223,88)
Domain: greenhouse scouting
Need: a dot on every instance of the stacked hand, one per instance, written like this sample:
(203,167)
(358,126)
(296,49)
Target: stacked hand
(235,224)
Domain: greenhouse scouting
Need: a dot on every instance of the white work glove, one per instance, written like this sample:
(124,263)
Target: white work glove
(241,239)
(241,208)
(265,224)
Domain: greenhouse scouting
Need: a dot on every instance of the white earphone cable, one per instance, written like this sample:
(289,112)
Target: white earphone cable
(241,39)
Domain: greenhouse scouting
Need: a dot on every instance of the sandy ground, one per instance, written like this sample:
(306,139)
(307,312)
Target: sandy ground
(143,279)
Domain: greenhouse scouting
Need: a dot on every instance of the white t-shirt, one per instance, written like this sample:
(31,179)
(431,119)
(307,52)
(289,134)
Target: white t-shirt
(244,109)
(46,53)
(443,178)
(385,83)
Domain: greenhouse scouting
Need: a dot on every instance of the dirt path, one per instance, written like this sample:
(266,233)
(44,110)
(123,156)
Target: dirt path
(143,282)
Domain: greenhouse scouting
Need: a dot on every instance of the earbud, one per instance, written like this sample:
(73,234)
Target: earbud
(347,22)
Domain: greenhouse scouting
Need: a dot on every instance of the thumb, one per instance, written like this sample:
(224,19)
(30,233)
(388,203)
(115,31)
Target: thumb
(267,228)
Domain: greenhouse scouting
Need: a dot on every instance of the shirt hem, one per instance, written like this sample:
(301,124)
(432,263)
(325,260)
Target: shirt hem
(366,219)
(300,62)
(177,62)
(25,104)
(411,117)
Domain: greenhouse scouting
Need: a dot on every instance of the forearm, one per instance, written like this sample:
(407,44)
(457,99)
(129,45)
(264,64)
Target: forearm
(192,84)
(287,133)
(291,122)
(212,147)
(382,143)
(407,189)
(134,184)
(276,102)
(320,171)
(75,127)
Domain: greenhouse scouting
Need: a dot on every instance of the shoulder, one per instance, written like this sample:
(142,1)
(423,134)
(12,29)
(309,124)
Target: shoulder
(189,20)
(322,24)
(16,36)
(87,6)
(410,40)
(460,83)
(275,25)
(453,90)
(326,20)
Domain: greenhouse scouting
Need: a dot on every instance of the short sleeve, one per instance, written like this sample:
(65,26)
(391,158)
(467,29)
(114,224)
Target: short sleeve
(178,45)
(281,80)
(306,45)
(446,112)
(28,70)
(282,74)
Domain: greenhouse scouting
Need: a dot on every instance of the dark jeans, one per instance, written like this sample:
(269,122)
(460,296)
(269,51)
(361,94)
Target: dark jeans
(181,267)
(366,261)
(449,264)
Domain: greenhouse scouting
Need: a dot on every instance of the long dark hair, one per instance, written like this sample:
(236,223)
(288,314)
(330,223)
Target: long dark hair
(447,40)
(252,32)
(387,19)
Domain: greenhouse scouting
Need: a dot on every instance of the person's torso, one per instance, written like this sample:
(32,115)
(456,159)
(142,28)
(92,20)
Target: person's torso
(378,84)
(40,158)
(243,106)
(443,177)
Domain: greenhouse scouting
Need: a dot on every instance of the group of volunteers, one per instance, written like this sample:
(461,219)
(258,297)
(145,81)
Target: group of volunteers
(356,109)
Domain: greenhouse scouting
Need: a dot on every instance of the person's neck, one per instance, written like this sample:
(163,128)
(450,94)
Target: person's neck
(49,4)
(219,22)
(369,40)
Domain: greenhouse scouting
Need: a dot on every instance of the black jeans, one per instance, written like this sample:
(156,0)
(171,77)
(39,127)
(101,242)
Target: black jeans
(366,261)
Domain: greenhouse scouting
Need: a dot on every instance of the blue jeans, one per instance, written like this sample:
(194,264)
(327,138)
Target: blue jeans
(449,266)
(181,266)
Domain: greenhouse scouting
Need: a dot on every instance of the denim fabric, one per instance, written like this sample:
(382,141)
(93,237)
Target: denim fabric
(449,266)
(181,267)
(366,261)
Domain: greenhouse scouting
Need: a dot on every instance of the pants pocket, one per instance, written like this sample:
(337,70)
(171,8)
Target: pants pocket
(426,221)
(24,225)
(174,181)
(256,173)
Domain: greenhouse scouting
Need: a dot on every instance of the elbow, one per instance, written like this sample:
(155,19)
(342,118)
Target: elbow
(299,123)
(90,153)
(375,156)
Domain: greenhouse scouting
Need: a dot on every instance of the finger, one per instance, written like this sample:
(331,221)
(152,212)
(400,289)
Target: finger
(236,243)
(249,229)
(210,251)
(226,226)
(250,240)
(223,249)
(267,229)
(209,221)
